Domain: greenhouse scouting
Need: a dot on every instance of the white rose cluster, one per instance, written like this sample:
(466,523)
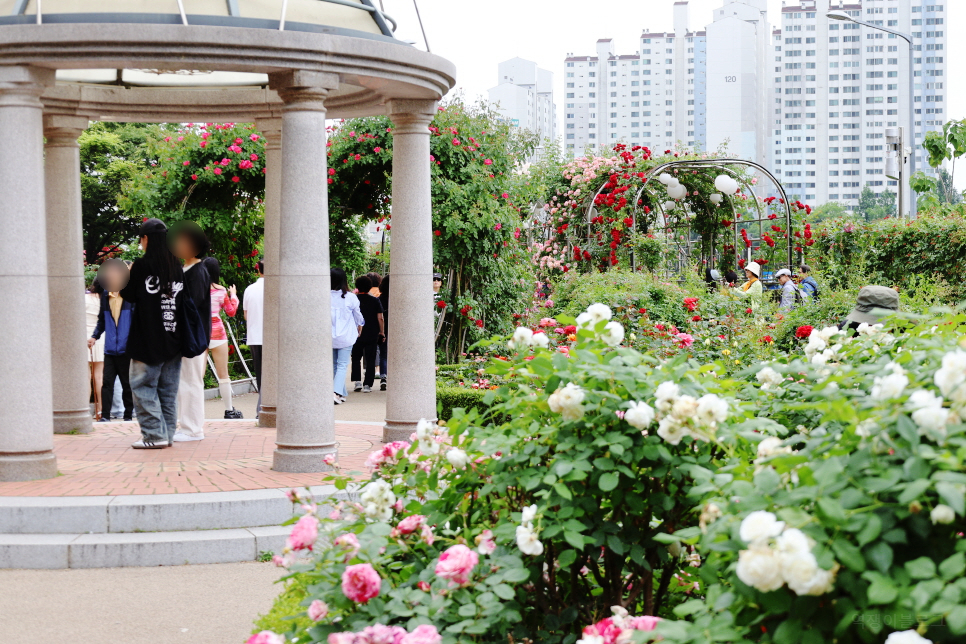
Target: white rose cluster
(613,332)
(874,332)
(426,433)
(819,349)
(528,539)
(566,401)
(891,385)
(951,377)
(906,637)
(928,413)
(768,378)
(524,338)
(639,415)
(680,415)
(377,499)
(778,555)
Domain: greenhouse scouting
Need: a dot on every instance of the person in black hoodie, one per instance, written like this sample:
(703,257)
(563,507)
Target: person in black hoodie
(189,242)
(154,343)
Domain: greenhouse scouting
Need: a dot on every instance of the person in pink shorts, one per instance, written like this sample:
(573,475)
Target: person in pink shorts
(221,298)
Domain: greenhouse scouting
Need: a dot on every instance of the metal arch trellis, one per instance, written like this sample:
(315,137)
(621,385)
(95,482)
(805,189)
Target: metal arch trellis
(721,165)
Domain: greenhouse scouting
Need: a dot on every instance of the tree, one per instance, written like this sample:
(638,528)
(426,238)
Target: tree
(110,154)
(947,189)
(876,206)
(828,210)
(948,145)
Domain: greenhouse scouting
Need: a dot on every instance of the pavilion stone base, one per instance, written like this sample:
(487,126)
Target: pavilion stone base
(302,461)
(267,417)
(27,467)
(73,422)
(398,430)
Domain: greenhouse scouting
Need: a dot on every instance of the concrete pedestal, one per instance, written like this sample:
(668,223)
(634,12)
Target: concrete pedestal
(412,357)
(26,410)
(65,275)
(272,130)
(305,420)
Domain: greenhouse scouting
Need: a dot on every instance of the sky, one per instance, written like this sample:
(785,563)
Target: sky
(477,36)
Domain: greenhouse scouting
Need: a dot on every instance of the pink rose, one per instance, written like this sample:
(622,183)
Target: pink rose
(329,459)
(253,157)
(487,161)
(265,637)
(235,148)
(342,638)
(361,582)
(245,164)
(485,543)
(254,137)
(410,524)
(217,171)
(318,609)
(186,163)
(456,564)
(292,495)
(642,623)
(423,634)
(379,634)
(350,542)
(423,586)
(426,534)
(304,533)
(225,162)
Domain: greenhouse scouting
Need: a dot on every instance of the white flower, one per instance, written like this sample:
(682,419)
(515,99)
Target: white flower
(599,312)
(922,398)
(828,333)
(529,514)
(771,446)
(821,582)
(591,639)
(428,446)
(942,514)
(768,378)
(666,392)
(540,340)
(793,542)
(890,386)
(527,541)
(684,407)
(457,458)
(571,414)
(584,320)
(671,430)
(425,429)
(377,499)
(870,329)
(866,427)
(521,339)
(759,567)
(760,525)
(906,637)
(951,377)
(613,334)
(571,395)
(932,419)
(640,415)
(712,410)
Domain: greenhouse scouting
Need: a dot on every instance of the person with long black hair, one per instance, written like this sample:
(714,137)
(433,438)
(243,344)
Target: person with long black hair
(347,324)
(154,344)
(384,346)
(227,299)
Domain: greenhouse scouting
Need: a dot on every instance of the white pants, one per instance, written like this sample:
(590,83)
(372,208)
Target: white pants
(191,396)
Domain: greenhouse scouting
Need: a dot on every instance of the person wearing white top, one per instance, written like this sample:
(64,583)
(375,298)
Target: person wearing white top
(252,305)
(347,322)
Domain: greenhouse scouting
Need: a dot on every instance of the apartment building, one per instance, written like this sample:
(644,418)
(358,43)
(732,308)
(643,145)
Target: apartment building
(839,85)
(524,96)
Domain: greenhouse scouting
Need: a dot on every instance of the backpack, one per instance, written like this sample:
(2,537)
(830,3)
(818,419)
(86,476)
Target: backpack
(811,288)
(194,338)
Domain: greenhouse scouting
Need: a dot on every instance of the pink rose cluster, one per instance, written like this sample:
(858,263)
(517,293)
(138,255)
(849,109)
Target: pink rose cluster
(379,634)
(456,564)
(361,582)
(618,629)
(304,533)
(265,637)
(411,524)
(388,455)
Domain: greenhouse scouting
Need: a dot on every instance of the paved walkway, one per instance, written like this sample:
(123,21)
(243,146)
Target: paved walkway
(235,455)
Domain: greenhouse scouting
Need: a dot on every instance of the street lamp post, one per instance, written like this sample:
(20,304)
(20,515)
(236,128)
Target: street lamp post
(842,15)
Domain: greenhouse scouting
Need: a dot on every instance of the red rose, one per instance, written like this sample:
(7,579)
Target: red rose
(479,324)
(803,331)
(749,311)
(441,304)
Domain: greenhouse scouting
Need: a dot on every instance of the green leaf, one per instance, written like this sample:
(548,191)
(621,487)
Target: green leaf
(872,529)
(880,554)
(848,554)
(567,557)
(956,620)
(608,481)
(504,592)
(788,632)
(881,591)
(575,539)
(921,568)
(663,537)
(953,567)
(560,488)
(914,491)
(954,495)
(467,610)
(831,510)
(516,575)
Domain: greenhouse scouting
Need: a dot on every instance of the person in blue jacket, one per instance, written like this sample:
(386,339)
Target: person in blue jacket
(114,322)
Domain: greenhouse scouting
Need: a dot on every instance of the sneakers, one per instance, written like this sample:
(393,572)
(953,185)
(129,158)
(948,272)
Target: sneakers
(128,419)
(358,387)
(233,414)
(337,398)
(184,438)
(367,389)
(146,443)
(103,420)
(382,384)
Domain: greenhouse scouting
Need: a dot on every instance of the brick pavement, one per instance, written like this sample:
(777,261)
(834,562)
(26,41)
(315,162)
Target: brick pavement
(235,455)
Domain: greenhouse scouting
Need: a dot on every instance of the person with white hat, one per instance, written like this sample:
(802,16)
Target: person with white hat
(790,295)
(752,289)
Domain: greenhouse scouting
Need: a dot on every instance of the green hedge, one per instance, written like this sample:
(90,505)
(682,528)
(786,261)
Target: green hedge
(618,289)
(450,398)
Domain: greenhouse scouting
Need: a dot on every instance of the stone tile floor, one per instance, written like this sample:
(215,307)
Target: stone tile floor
(235,455)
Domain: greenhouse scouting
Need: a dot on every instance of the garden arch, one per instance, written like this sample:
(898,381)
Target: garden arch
(287,66)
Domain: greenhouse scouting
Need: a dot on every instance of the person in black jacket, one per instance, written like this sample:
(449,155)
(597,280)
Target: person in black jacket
(154,343)
(190,243)
(114,322)
(372,334)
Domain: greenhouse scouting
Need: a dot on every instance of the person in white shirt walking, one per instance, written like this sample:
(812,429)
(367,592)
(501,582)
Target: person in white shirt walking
(347,323)
(253,305)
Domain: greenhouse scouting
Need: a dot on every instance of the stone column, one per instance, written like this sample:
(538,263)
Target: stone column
(26,409)
(305,417)
(65,275)
(271,129)
(412,356)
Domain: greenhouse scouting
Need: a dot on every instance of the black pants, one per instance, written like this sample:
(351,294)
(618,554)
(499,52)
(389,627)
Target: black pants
(256,350)
(116,367)
(365,350)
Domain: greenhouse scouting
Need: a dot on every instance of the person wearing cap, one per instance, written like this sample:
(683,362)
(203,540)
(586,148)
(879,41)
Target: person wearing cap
(873,304)
(751,290)
(790,295)
(808,284)
(156,288)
